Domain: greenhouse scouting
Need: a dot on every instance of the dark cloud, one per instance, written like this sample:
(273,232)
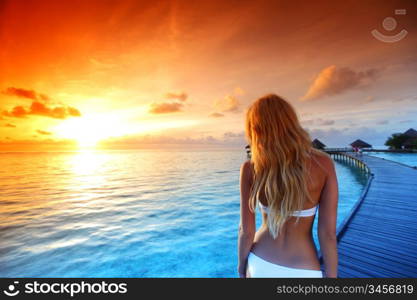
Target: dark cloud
(308,122)
(216,115)
(319,121)
(179,96)
(43,132)
(10,125)
(382,122)
(166,107)
(333,81)
(325,122)
(405,98)
(23,93)
(233,135)
(41,109)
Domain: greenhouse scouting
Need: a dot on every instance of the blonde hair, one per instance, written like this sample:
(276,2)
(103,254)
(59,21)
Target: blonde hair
(280,149)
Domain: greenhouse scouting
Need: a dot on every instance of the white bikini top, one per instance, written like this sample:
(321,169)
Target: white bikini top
(298,213)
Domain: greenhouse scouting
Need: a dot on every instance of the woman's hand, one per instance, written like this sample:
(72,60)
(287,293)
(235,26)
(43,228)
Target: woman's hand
(247,226)
(242,271)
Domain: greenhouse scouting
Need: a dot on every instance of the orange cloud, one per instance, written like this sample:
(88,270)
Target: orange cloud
(17,112)
(9,144)
(38,106)
(41,109)
(10,125)
(166,107)
(239,91)
(332,81)
(216,115)
(23,93)
(43,132)
(369,98)
(227,104)
(179,96)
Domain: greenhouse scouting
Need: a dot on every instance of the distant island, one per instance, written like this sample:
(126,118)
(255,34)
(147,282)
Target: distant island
(406,140)
(397,142)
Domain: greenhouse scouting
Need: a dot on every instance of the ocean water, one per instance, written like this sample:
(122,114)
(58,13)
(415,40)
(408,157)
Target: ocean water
(142,213)
(404,158)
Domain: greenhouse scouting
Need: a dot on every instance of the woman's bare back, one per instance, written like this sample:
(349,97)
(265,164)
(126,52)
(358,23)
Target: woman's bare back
(294,247)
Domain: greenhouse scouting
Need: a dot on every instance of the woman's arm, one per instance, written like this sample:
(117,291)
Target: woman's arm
(247,225)
(327,221)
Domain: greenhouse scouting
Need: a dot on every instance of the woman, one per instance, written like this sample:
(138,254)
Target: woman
(289,179)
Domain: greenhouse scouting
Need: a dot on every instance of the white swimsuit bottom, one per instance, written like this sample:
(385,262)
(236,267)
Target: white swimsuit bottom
(259,267)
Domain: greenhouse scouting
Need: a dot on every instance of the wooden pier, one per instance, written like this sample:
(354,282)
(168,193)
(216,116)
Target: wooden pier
(379,236)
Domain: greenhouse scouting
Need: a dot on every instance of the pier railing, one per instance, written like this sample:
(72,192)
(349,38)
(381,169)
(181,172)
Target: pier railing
(348,156)
(353,159)
(345,149)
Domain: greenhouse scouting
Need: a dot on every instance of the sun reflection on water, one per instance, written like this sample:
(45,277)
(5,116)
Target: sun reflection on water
(87,162)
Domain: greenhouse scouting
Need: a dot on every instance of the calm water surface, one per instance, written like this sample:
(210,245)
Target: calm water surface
(140,213)
(405,158)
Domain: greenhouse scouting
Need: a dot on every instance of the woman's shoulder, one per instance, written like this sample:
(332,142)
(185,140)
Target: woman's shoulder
(247,166)
(323,159)
(246,169)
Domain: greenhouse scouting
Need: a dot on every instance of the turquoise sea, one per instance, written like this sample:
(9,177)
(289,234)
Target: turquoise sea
(142,213)
(404,158)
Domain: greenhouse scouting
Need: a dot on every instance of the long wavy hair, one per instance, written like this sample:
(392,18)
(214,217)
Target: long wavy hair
(280,149)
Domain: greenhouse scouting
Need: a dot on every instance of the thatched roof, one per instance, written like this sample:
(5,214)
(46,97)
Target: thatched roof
(318,144)
(411,132)
(360,144)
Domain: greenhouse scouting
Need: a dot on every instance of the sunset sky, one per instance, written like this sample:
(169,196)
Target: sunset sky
(138,73)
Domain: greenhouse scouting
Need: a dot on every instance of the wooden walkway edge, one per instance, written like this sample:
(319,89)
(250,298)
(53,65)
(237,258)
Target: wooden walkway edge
(379,236)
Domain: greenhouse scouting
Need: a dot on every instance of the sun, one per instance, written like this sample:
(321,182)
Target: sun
(88,131)
(88,140)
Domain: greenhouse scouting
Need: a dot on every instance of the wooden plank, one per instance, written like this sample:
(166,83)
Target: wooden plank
(400,253)
(383,258)
(379,237)
(364,267)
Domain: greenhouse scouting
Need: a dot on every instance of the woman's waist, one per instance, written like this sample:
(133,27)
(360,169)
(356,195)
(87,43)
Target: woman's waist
(298,251)
(287,235)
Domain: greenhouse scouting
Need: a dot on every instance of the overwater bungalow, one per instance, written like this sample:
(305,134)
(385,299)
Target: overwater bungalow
(318,144)
(360,144)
